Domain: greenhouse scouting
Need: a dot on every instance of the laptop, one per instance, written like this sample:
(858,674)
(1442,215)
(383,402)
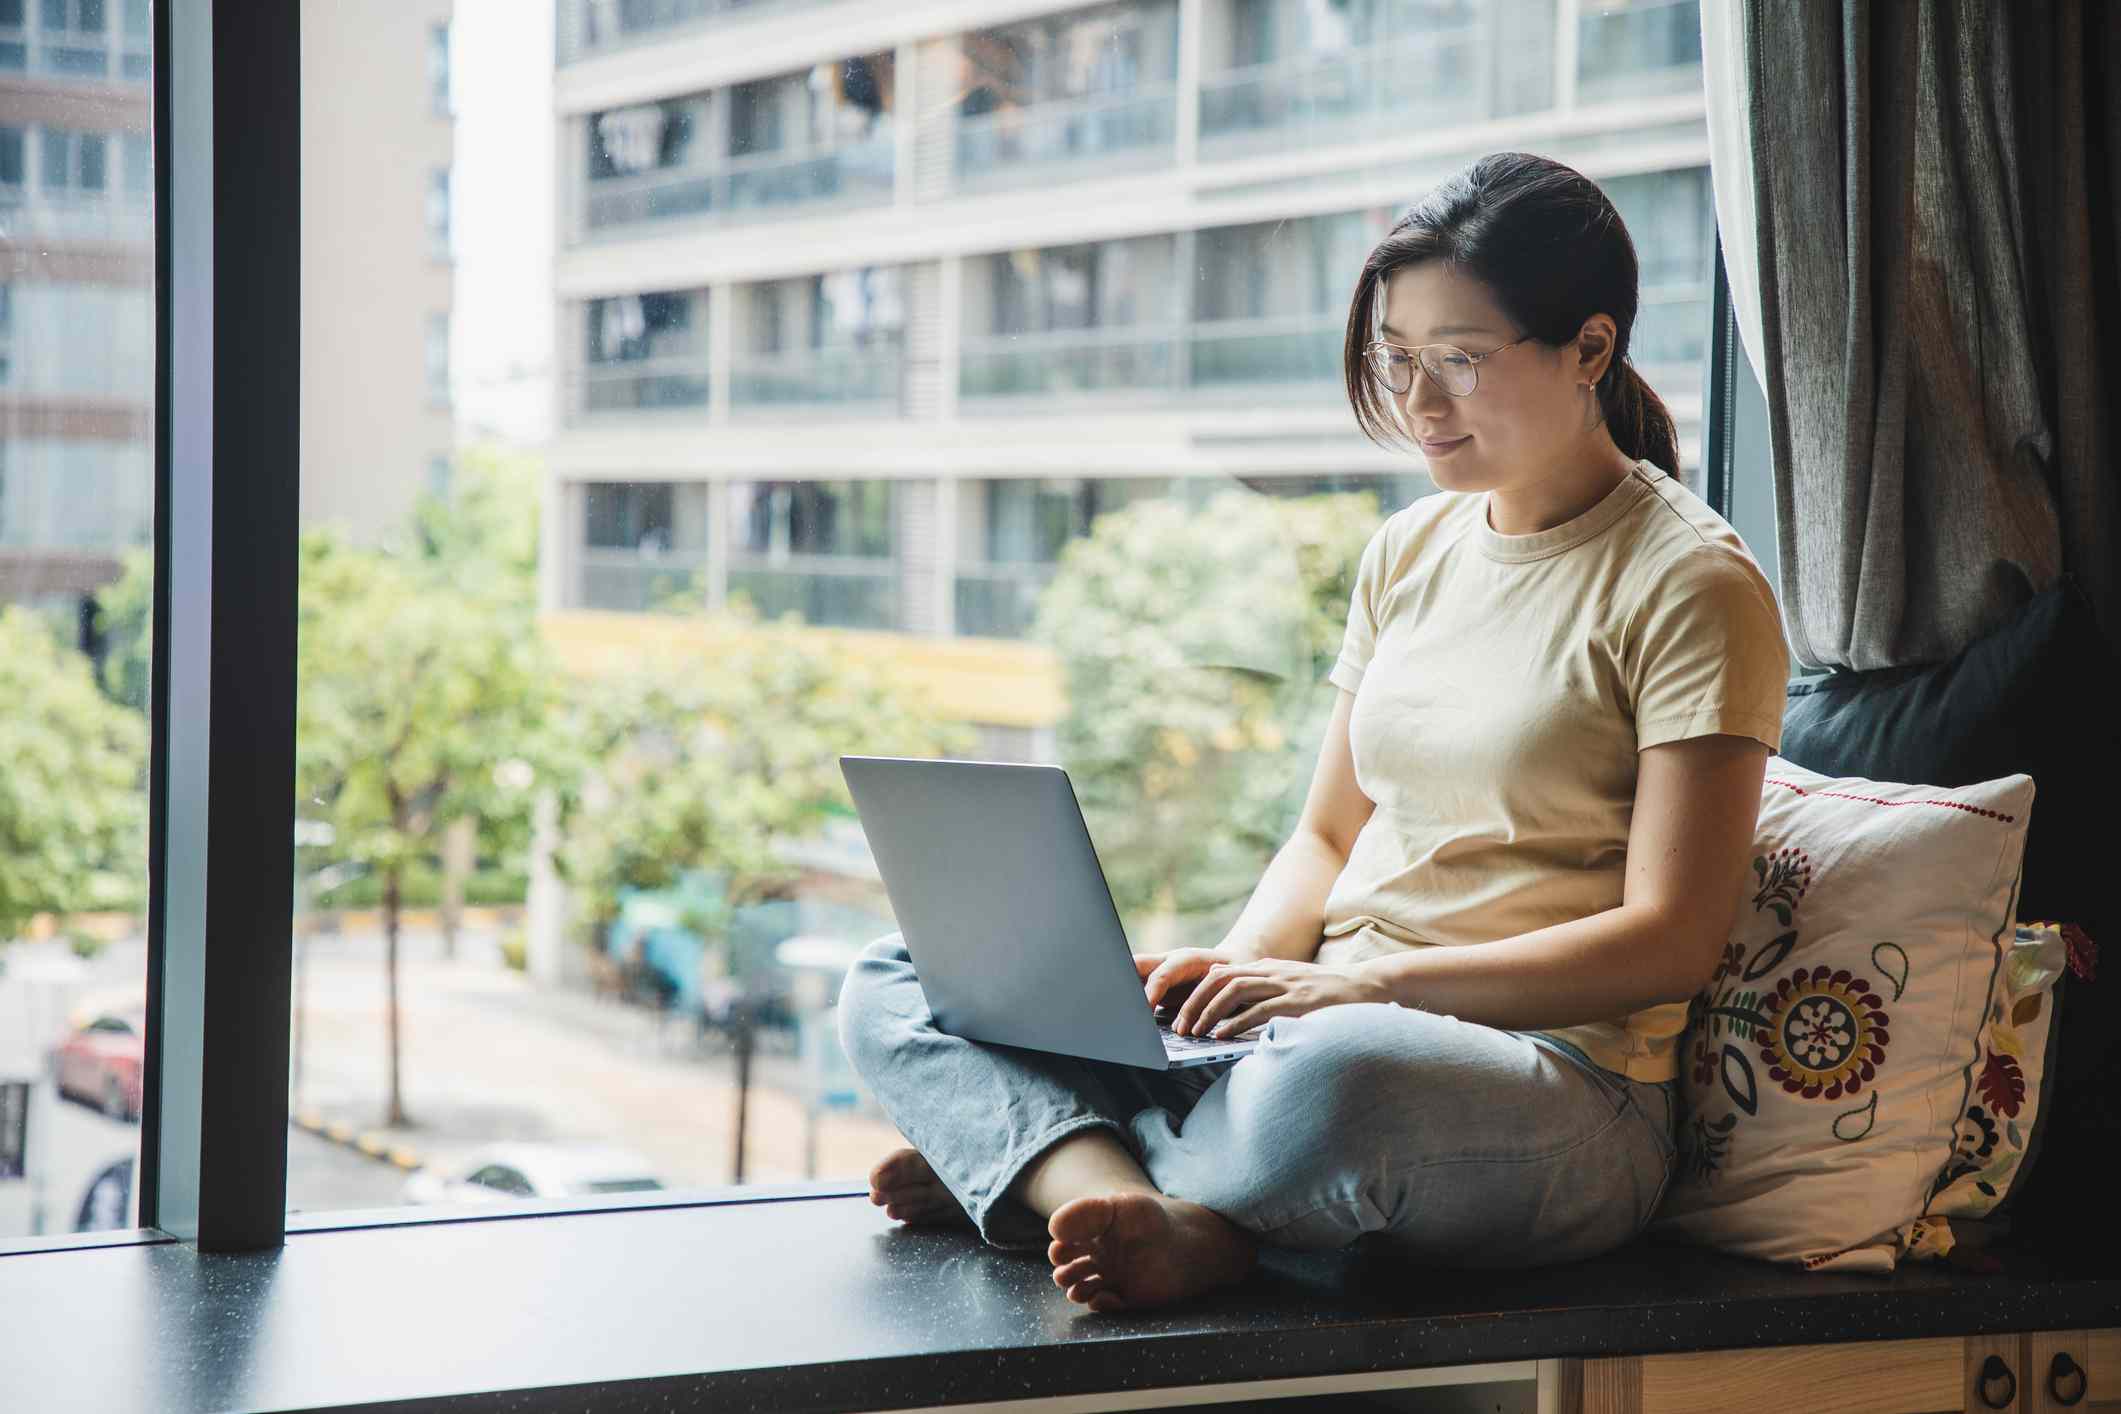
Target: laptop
(1006,913)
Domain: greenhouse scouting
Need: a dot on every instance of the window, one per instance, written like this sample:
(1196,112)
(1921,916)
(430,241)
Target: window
(77,491)
(748,457)
(438,213)
(73,162)
(438,72)
(438,358)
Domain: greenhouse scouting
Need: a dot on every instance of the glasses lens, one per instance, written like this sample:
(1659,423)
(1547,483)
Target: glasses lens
(1453,371)
(1392,368)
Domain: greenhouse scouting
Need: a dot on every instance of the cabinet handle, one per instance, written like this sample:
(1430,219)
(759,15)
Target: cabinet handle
(1993,1369)
(2062,1369)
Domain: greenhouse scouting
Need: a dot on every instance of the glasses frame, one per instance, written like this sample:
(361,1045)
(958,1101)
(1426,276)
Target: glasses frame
(1418,350)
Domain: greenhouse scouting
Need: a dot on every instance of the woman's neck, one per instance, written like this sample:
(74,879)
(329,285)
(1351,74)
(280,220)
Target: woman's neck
(1578,483)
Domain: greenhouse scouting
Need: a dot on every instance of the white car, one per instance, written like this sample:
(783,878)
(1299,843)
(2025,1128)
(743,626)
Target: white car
(501,1172)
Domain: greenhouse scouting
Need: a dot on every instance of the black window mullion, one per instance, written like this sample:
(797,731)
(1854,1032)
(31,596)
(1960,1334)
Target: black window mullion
(213,1164)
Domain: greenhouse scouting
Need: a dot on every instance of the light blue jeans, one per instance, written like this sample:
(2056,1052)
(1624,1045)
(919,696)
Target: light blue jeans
(1454,1143)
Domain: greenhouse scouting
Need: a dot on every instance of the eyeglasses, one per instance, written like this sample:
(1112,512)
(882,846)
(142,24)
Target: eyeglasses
(1449,367)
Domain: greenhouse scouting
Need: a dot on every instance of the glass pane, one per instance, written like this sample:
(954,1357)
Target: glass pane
(731,490)
(76,536)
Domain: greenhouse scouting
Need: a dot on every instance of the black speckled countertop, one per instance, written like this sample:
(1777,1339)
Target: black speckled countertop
(823,1304)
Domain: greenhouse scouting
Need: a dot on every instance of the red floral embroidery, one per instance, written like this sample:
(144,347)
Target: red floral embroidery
(2002,1084)
(2083,952)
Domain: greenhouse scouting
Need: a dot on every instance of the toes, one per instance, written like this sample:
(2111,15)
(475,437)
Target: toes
(1061,1253)
(1081,1269)
(1087,1291)
(1080,1221)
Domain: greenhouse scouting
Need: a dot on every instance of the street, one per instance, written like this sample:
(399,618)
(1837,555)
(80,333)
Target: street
(487,1056)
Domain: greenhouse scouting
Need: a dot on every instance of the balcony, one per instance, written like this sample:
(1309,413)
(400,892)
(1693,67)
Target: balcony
(644,385)
(1435,78)
(632,582)
(852,382)
(1255,356)
(827,591)
(763,184)
(1671,329)
(53,217)
(999,600)
(1025,146)
(592,27)
(1290,356)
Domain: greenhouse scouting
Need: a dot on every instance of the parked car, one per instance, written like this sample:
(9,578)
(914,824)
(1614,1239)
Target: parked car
(527,1169)
(100,1063)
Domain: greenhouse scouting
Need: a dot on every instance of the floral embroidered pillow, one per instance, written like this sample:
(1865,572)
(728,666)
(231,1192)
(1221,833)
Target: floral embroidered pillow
(1823,1068)
(1994,1131)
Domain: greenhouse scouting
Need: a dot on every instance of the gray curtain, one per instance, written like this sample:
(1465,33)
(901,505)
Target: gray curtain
(1934,189)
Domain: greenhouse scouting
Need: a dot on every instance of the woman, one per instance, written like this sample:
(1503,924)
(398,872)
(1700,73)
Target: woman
(1524,845)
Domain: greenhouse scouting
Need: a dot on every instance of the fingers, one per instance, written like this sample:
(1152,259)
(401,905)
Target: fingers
(1239,1004)
(1223,987)
(1160,972)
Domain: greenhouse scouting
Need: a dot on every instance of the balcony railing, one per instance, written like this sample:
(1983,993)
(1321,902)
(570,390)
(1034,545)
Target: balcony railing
(1298,354)
(1065,361)
(860,174)
(51,216)
(641,385)
(1251,354)
(75,54)
(592,27)
(865,381)
(999,600)
(632,582)
(1439,77)
(1014,146)
(821,589)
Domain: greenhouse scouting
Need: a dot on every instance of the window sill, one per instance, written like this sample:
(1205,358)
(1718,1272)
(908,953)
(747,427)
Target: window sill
(820,1303)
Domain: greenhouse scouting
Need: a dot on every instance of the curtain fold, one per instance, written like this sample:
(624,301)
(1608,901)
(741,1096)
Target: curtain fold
(1932,187)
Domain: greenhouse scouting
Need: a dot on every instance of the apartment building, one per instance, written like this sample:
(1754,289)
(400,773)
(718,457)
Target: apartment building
(77,301)
(866,310)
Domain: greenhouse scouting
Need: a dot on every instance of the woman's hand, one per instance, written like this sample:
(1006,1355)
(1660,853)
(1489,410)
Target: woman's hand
(1231,997)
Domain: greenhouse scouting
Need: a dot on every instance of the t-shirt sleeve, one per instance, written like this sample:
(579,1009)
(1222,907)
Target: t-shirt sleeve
(1705,653)
(1359,641)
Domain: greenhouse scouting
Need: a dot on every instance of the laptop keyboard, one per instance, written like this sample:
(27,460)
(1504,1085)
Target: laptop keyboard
(1175,1044)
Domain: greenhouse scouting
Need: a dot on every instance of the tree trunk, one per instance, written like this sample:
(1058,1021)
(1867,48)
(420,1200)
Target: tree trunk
(460,852)
(396,1113)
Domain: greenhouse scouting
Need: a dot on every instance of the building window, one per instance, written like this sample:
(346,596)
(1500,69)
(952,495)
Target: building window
(438,69)
(645,351)
(7,332)
(846,518)
(438,213)
(11,163)
(74,162)
(438,358)
(75,37)
(440,470)
(14,38)
(629,515)
(138,157)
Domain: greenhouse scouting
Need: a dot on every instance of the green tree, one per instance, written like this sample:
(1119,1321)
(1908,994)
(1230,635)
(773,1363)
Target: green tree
(1194,645)
(708,764)
(124,612)
(421,698)
(73,793)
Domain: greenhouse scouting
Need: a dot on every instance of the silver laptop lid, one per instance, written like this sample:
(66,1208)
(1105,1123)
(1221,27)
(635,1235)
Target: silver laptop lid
(1004,907)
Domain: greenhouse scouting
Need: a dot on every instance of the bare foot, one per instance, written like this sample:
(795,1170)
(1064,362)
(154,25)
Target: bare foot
(1143,1249)
(909,1192)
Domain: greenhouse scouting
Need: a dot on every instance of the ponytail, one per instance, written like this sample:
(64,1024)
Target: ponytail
(1641,424)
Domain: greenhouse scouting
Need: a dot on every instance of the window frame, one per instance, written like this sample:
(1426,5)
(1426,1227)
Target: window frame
(212,1165)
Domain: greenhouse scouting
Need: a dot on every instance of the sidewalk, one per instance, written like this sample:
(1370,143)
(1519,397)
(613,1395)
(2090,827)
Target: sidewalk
(489,1056)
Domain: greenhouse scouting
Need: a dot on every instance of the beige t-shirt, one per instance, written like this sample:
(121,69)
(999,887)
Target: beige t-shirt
(1504,683)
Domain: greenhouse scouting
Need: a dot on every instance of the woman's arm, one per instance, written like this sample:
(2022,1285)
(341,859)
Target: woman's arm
(1689,845)
(1285,916)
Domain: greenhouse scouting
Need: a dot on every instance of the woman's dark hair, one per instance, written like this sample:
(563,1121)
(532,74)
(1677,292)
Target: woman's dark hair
(1549,245)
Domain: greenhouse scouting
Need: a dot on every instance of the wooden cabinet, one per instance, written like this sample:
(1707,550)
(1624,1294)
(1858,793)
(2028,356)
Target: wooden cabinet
(2046,1372)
